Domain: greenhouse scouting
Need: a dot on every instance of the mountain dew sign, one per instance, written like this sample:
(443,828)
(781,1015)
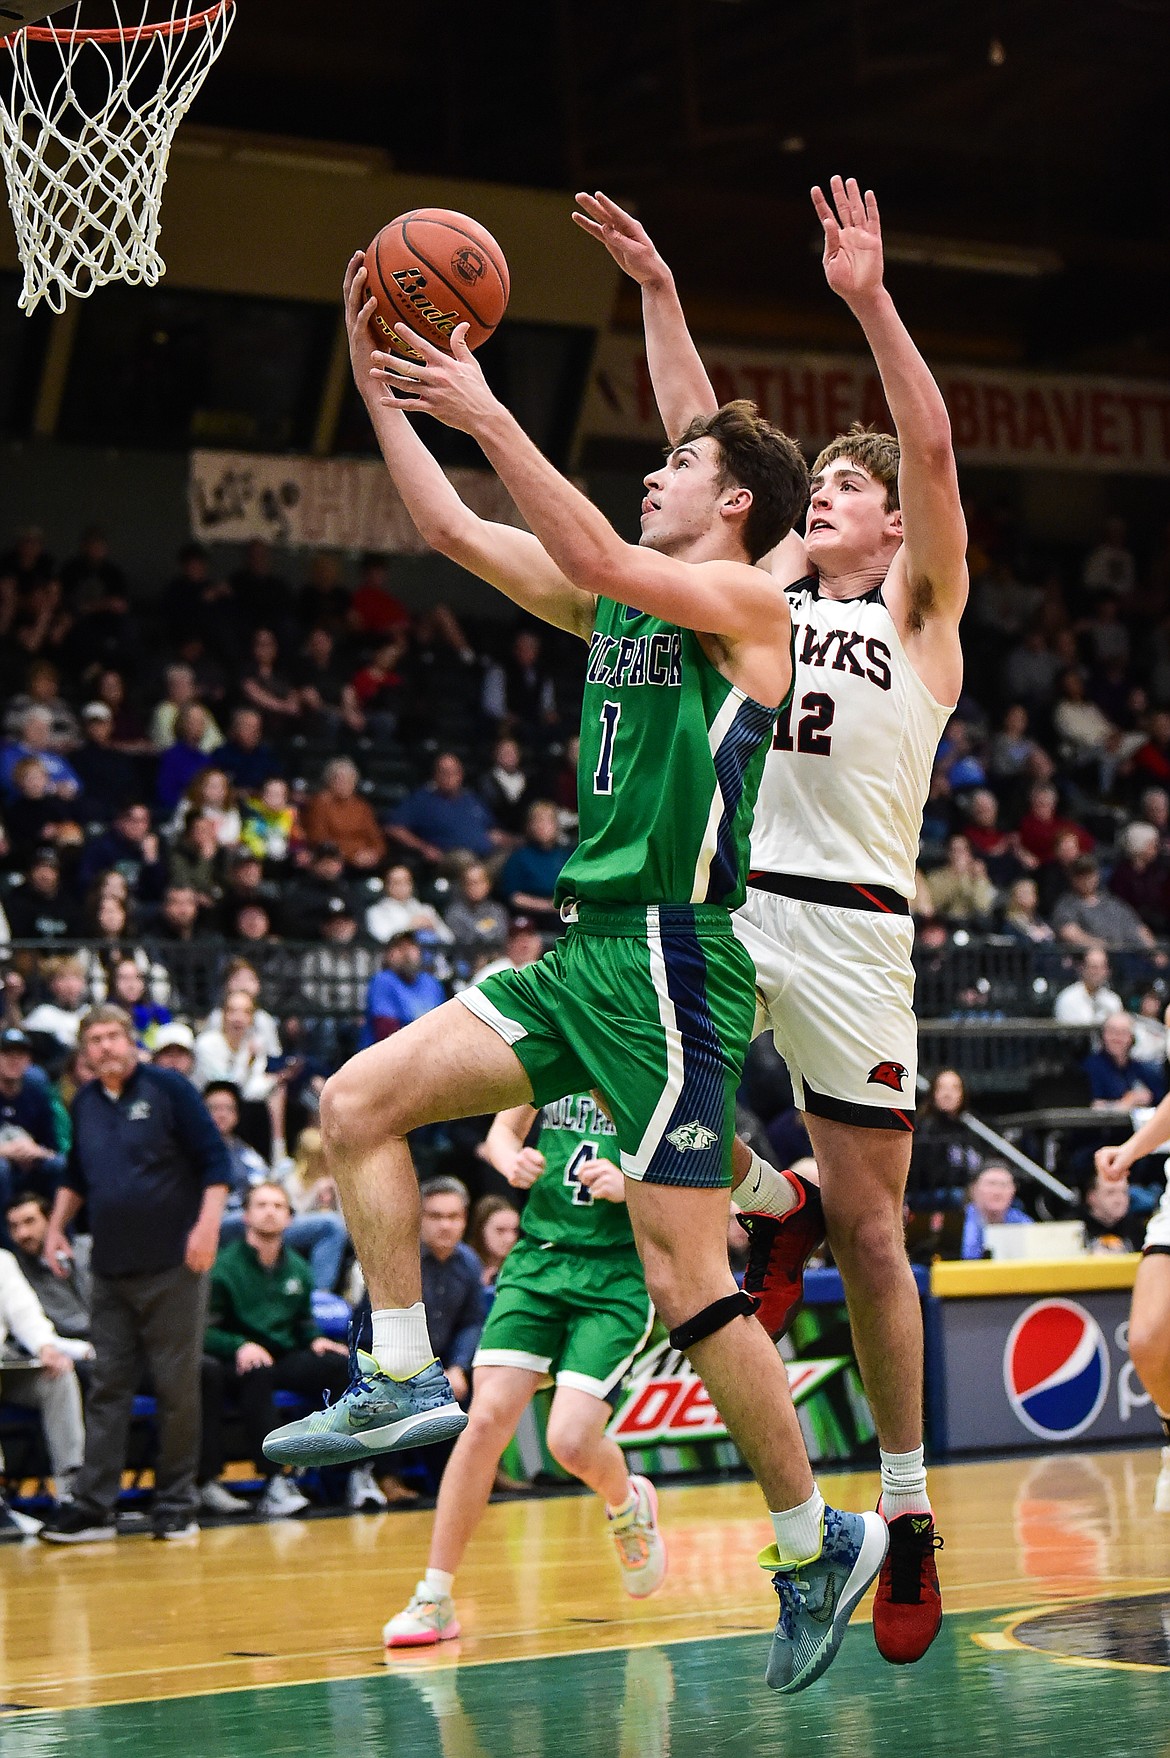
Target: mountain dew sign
(665,1403)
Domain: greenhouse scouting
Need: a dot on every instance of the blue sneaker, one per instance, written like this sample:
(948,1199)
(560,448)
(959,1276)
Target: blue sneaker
(375,1414)
(816,1598)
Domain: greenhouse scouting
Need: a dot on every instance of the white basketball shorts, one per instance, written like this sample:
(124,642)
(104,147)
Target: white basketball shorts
(1158,1231)
(836,985)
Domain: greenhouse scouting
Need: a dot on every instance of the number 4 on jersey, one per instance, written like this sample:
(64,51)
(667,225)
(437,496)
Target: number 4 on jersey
(611,713)
(584,1156)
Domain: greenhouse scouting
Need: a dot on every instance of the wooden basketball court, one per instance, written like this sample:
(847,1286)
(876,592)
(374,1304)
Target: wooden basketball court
(265,1639)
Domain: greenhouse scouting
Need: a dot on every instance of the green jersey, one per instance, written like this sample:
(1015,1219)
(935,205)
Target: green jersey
(560,1210)
(670,765)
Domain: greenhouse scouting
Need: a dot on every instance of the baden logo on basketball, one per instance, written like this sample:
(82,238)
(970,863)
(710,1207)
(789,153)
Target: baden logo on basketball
(1056,1369)
(468,264)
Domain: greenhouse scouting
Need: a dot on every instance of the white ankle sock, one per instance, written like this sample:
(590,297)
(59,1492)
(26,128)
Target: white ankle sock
(765,1191)
(402,1346)
(800,1532)
(439,1582)
(904,1484)
(617,1509)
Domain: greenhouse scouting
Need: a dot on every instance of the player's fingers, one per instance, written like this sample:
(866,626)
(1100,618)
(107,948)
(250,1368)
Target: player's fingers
(396,366)
(433,356)
(871,209)
(856,205)
(394,388)
(587,224)
(459,341)
(824,211)
(615,214)
(840,201)
(589,203)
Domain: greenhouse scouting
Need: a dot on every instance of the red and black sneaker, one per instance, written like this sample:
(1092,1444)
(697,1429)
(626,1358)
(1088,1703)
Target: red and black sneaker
(907,1611)
(779,1252)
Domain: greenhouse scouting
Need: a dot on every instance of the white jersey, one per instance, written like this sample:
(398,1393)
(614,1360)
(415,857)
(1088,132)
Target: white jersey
(847,777)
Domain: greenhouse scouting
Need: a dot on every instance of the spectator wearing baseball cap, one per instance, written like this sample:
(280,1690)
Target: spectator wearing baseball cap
(524,946)
(246,885)
(315,895)
(174,1047)
(107,777)
(401,991)
(38,909)
(31,1155)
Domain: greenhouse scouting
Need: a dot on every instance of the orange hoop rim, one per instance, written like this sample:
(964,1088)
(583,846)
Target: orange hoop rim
(169,27)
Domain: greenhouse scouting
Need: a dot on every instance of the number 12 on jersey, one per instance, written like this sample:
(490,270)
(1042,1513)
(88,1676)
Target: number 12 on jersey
(812,730)
(611,713)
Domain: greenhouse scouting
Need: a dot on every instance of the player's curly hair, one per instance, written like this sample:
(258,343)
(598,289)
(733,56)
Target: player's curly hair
(879,453)
(757,456)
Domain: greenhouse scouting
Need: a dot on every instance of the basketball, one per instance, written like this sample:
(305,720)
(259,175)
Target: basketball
(433,269)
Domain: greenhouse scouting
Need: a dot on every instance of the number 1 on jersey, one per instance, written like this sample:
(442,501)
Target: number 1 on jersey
(611,713)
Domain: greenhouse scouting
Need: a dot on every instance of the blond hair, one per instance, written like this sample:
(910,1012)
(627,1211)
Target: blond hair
(878,453)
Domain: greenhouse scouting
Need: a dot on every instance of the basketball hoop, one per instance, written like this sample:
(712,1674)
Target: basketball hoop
(85,135)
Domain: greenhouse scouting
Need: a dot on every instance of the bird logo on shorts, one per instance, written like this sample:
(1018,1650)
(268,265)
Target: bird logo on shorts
(887,1074)
(692,1137)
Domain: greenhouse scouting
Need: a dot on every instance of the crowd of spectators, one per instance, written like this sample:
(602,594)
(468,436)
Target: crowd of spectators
(1049,814)
(236,767)
(267,825)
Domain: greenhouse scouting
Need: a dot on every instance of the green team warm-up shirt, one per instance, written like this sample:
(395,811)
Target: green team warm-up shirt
(560,1210)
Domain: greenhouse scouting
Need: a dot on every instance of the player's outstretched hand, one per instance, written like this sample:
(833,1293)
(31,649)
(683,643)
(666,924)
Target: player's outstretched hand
(451,387)
(525,1169)
(853,238)
(1105,1161)
(626,239)
(604,1181)
(360,306)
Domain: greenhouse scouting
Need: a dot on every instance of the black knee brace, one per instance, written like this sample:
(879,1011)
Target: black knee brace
(712,1319)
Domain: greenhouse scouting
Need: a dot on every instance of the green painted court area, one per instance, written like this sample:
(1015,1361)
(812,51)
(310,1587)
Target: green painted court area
(681,1700)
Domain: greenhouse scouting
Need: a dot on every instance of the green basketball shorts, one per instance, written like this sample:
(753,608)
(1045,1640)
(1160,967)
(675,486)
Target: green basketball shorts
(651,1005)
(578,1317)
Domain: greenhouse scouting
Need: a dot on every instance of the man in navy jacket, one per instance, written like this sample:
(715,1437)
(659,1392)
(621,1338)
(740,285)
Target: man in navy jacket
(153,1171)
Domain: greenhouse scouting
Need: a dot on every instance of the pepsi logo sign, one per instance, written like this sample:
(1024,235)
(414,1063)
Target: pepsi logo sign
(1056,1369)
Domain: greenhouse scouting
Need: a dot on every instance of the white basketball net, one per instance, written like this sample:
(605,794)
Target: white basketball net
(85,134)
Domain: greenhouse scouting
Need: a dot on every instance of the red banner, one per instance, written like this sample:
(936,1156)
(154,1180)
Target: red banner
(1000,418)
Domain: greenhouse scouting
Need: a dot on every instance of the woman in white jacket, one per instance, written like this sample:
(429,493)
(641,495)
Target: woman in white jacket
(47,1384)
(235,1051)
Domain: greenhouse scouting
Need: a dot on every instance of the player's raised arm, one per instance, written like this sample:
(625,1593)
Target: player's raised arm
(682,389)
(513,561)
(724,598)
(933,528)
(681,386)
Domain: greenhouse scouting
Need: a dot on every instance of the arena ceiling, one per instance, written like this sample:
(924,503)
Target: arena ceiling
(1031,132)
